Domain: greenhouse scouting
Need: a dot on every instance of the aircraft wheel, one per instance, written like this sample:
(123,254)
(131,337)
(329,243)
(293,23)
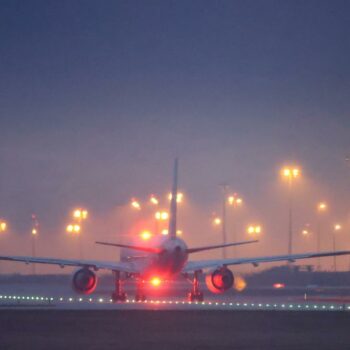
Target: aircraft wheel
(140,297)
(195,296)
(119,297)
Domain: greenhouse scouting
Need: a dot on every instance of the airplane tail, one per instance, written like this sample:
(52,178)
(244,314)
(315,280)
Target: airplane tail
(173,203)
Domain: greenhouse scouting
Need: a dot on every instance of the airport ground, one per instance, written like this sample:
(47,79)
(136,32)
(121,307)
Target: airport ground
(42,312)
(197,330)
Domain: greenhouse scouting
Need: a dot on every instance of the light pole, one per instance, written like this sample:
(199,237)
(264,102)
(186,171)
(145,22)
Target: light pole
(34,234)
(337,227)
(3,226)
(235,201)
(224,188)
(321,208)
(78,216)
(290,174)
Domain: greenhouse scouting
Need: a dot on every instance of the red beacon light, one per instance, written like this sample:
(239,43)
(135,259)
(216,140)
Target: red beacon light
(278,285)
(155,281)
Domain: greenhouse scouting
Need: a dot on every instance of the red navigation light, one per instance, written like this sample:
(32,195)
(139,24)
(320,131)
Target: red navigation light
(146,235)
(156,281)
(278,285)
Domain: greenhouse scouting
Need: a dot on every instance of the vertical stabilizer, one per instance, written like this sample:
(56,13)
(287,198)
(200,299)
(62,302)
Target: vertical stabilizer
(173,203)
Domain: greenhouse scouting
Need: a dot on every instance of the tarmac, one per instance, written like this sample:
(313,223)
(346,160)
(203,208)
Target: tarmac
(173,329)
(50,316)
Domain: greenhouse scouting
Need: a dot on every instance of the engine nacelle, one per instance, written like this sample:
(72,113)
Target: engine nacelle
(84,281)
(220,280)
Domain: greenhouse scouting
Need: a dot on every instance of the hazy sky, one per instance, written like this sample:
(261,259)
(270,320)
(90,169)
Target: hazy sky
(98,97)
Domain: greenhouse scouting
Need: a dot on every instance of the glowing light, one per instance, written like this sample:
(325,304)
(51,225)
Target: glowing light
(179,197)
(322,206)
(73,228)
(166,232)
(217,221)
(239,283)
(254,229)
(34,231)
(156,281)
(305,232)
(161,215)
(80,214)
(135,204)
(234,200)
(3,226)
(291,172)
(153,200)
(146,235)
(337,227)
(278,285)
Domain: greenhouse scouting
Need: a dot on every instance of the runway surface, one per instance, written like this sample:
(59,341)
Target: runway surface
(50,316)
(191,329)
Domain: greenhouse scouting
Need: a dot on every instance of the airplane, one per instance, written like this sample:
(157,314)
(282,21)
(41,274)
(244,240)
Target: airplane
(168,259)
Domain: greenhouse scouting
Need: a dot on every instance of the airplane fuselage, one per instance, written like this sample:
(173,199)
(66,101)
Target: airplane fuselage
(166,264)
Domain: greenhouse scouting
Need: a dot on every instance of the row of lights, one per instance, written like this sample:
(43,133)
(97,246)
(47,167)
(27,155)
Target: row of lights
(238,305)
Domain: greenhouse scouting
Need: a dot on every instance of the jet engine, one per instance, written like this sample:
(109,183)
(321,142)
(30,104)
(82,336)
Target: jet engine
(220,280)
(84,281)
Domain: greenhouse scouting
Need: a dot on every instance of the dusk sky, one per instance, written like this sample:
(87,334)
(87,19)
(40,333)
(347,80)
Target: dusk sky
(98,97)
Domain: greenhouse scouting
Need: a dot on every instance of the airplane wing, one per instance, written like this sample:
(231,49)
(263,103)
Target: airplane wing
(208,264)
(96,265)
(209,247)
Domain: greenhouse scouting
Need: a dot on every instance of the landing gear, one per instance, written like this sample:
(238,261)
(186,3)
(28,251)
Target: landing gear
(140,296)
(118,294)
(195,297)
(195,294)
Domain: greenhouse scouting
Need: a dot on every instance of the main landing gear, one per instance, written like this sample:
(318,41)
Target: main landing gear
(140,296)
(195,294)
(118,294)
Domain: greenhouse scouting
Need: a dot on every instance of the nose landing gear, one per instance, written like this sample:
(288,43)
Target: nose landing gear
(140,296)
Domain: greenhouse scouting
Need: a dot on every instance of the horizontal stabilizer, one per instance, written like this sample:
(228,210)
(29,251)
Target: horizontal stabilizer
(209,247)
(143,249)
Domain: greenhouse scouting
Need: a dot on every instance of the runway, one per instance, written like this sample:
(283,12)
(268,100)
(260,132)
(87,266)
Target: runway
(53,317)
(172,330)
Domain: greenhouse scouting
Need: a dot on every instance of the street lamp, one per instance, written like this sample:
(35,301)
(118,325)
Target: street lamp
(79,215)
(234,201)
(34,234)
(73,228)
(135,204)
(254,229)
(305,232)
(337,227)
(290,174)
(161,215)
(216,221)
(3,225)
(153,200)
